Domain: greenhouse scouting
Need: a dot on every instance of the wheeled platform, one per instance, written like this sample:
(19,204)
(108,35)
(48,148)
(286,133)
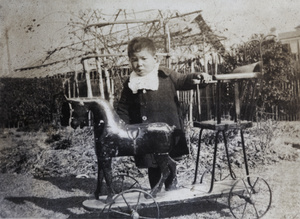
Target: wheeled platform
(188,193)
(245,197)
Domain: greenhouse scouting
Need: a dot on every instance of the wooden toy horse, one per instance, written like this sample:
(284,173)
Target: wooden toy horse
(115,138)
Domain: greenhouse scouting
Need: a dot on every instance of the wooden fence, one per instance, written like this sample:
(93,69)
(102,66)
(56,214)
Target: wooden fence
(291,111)
(112,80)
(249,110)
(75,85)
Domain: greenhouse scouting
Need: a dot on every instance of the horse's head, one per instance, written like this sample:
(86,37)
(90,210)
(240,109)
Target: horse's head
(102,112)
(79,115)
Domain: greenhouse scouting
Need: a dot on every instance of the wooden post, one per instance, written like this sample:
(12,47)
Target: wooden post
(112,86)
(237,101)
(216,64)
(76,83)
(108,85)
(168,44)
(69,87)
(218,102)
(198,102)
(87,77)
(73,87)
(88,83)
(208,110)
(99,70)
(191,102)
(71,112)
(213,90)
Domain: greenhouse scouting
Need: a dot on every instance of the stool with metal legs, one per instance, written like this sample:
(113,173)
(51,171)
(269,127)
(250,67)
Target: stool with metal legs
(222,126)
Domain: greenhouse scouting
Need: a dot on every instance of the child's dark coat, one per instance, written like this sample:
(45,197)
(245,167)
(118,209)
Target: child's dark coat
(158,106)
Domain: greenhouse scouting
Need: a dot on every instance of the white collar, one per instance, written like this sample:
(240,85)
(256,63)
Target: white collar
(147,82)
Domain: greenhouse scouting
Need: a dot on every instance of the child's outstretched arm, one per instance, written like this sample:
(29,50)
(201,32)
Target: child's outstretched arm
(202,78)
(189,81)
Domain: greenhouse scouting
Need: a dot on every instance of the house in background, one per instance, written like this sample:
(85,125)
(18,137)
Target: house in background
(293,40)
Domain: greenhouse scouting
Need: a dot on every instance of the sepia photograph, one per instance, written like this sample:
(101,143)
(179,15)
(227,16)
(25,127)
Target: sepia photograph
(150,109)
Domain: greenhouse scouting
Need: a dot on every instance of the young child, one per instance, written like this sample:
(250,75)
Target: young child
(149,95)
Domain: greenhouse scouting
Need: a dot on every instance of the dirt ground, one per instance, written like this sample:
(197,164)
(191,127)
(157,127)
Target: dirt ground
(27,195)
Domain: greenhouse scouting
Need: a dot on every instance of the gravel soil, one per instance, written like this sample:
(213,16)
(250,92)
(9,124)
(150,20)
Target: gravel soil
(35,190)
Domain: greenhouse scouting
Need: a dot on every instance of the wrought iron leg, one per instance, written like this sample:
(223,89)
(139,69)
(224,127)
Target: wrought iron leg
(245,156)
(214,163)
(198,156)
(232,174)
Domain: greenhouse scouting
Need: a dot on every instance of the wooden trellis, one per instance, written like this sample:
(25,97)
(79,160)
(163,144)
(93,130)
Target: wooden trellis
(176,38)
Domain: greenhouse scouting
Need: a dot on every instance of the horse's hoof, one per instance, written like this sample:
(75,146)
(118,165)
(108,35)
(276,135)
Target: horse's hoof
(171,188)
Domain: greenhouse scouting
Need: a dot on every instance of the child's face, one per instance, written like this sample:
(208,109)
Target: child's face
(143,62)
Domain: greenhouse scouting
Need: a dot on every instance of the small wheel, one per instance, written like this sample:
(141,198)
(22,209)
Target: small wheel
(133,203)
(124,182)
(250,197)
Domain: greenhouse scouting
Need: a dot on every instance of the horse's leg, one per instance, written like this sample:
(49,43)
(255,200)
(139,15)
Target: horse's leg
(107,170)
(171,181)
(162,161)
(99,180)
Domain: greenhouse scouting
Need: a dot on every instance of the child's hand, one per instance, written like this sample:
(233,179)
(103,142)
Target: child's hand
(202,78)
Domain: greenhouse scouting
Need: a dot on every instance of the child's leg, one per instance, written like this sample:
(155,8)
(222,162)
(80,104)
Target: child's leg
(154,175)
(171,181)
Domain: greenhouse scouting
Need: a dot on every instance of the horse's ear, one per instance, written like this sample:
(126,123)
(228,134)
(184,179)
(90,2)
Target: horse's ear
(81,103)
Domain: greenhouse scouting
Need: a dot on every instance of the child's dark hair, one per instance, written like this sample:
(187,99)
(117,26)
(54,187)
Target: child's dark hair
(139,43)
